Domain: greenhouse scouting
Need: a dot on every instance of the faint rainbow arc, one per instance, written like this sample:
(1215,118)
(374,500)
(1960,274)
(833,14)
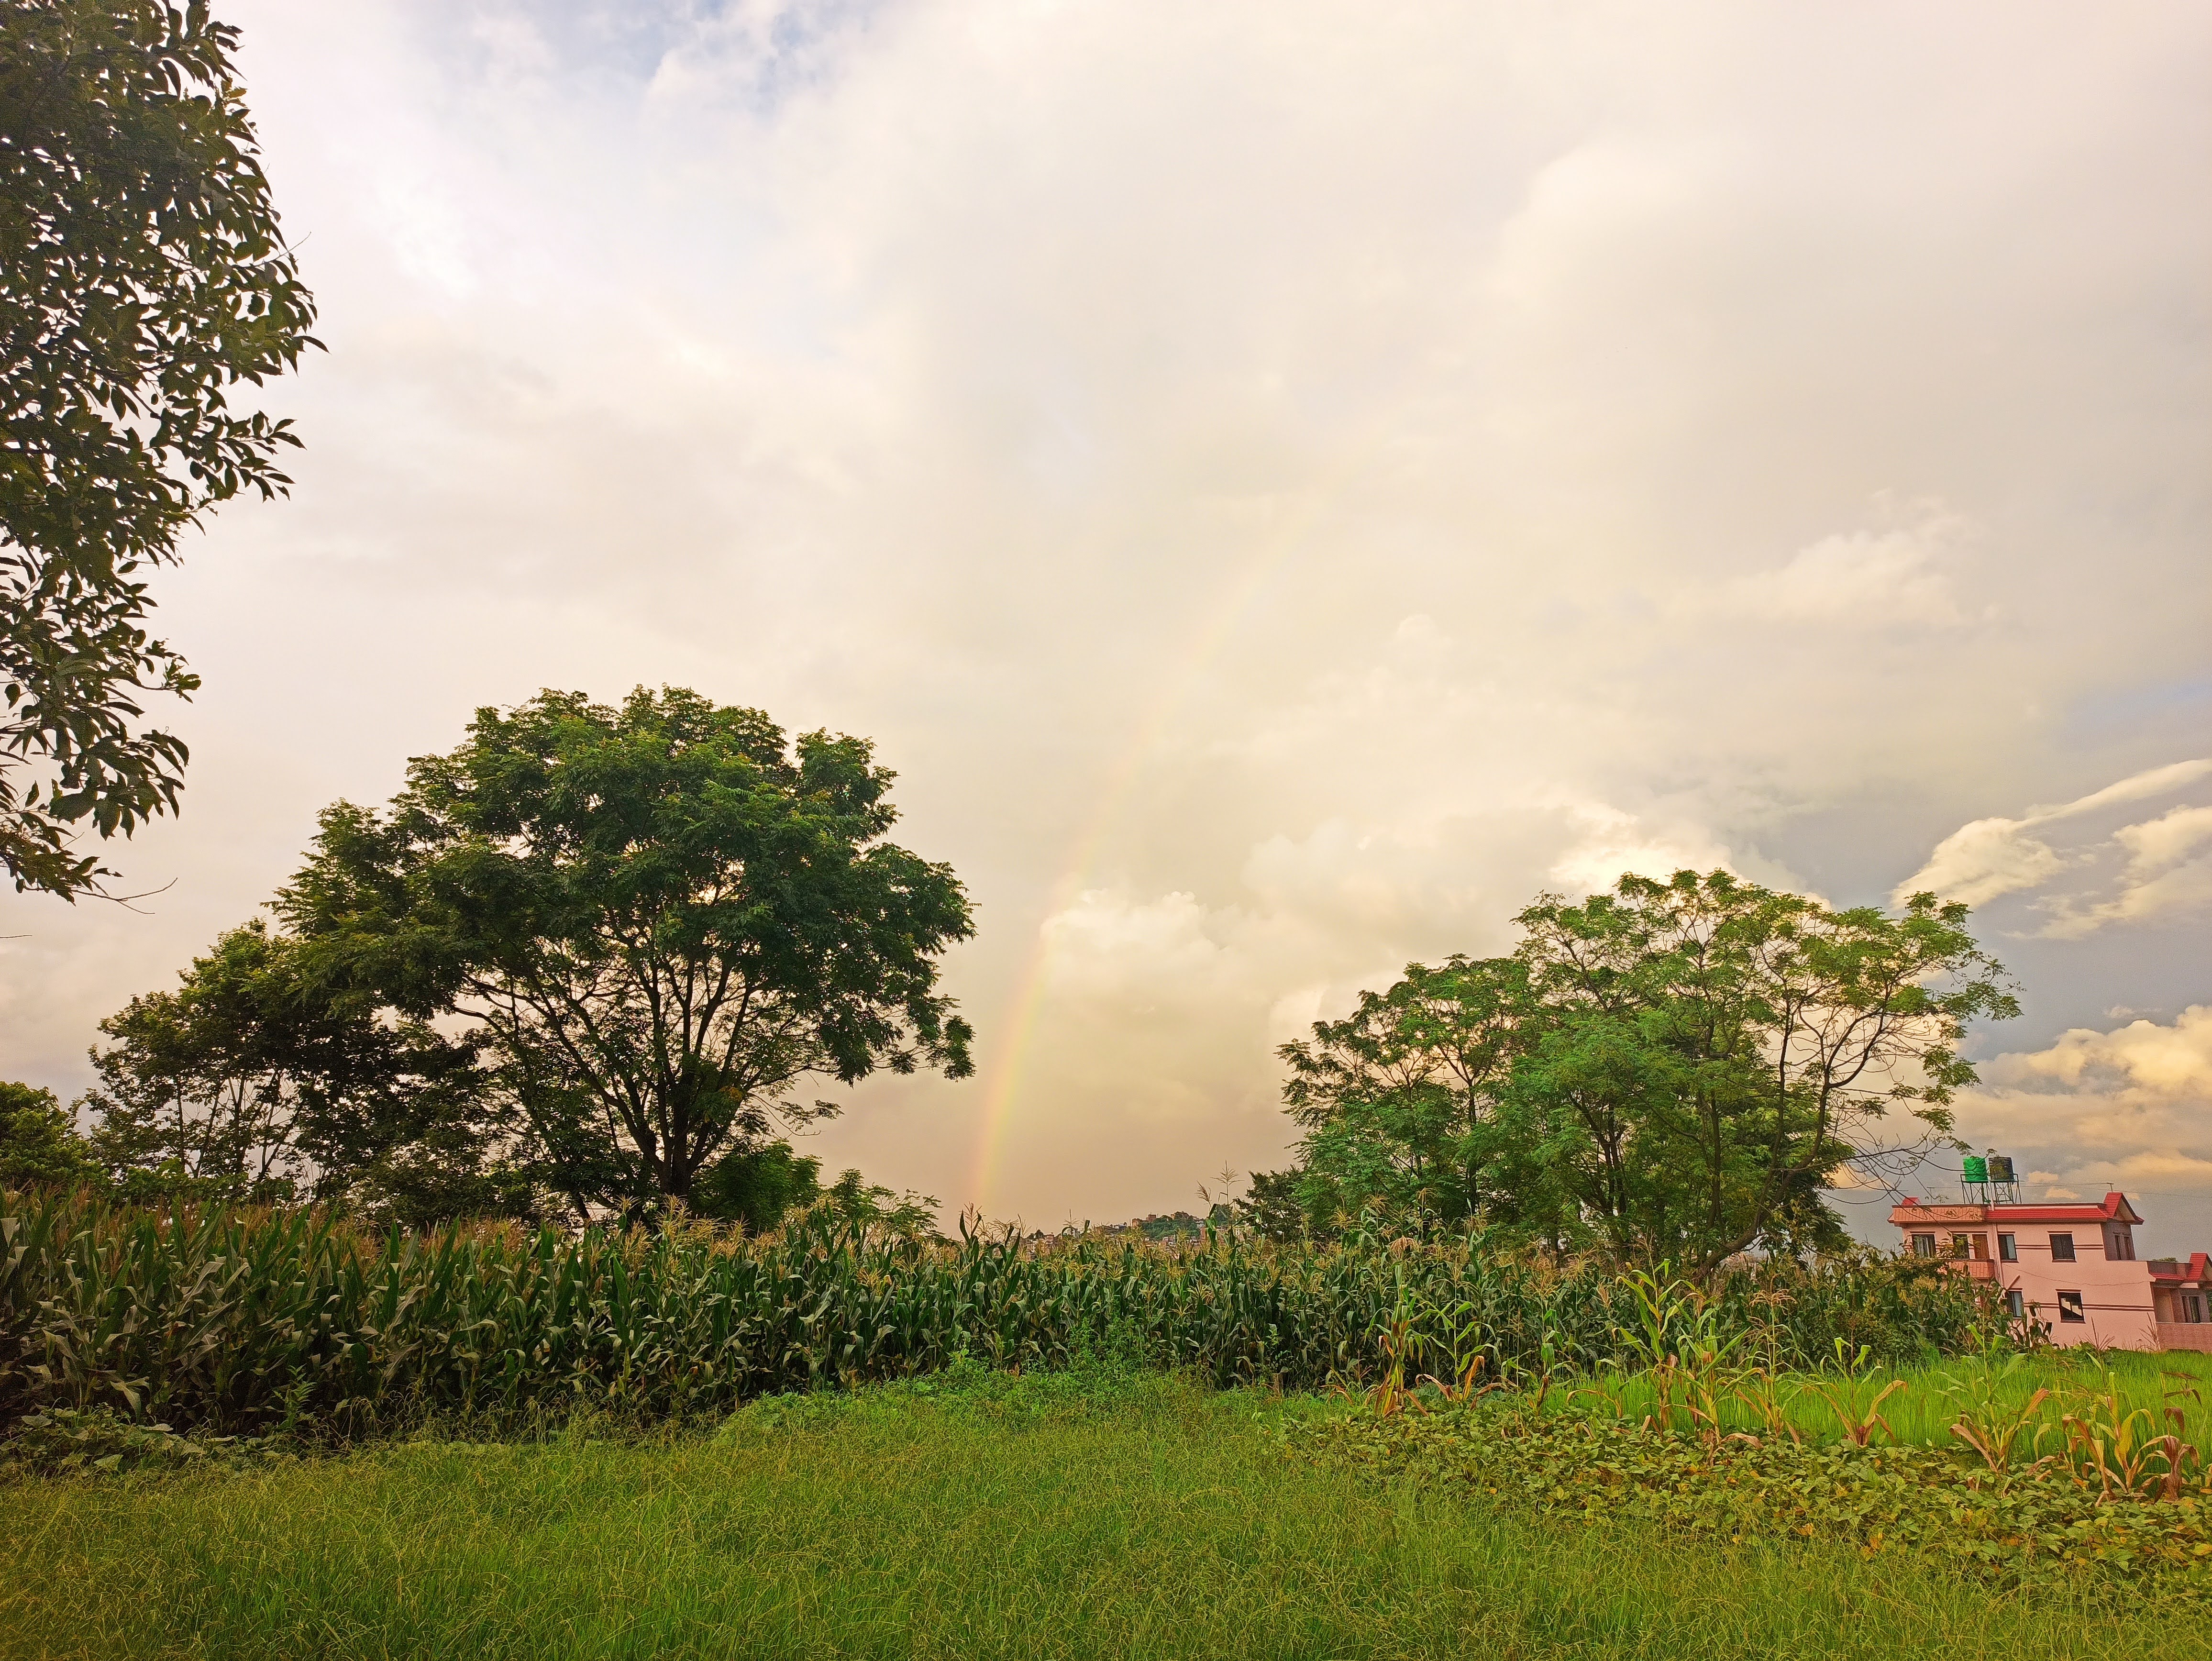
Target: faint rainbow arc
(1206,642)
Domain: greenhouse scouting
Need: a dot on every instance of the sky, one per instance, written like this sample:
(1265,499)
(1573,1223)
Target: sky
(1282,485)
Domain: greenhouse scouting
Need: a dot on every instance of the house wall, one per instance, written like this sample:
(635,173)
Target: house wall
(2122,1305)
(2116,1293)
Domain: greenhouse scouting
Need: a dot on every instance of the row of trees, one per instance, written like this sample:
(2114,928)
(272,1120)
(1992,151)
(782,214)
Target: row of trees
(585,962)
(1675,1070)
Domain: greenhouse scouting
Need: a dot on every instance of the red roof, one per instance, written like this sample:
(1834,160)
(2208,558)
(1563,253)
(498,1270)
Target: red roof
(2115,1208)
(2198,1267)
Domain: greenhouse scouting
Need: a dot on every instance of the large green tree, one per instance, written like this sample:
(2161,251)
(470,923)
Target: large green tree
(142,277)
(1672,1069)
(1725,1051)
(1399,1100)
(660,921)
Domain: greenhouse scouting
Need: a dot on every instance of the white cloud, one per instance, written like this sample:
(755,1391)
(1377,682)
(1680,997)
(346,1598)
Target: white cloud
(1982,860)
(1107,944)
(1892,579)
(2165,841)
(1608,845)
(2164,875)
(2168,873)
(2129,1108)
(2141,1061)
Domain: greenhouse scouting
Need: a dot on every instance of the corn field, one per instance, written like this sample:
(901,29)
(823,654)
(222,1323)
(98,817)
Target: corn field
(231,1322)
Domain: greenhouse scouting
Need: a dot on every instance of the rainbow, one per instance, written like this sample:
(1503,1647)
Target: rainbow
(1004,1087)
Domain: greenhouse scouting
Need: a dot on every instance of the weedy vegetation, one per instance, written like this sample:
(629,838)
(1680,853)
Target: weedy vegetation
(1101,1511)
(2016,1467)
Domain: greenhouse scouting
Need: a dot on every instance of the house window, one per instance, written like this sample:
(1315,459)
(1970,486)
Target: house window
(1961,1246)
(2192,1307)
(2016,1304)
(2122,1247)
(2007,1248)
(2069,1307)
(1923,1245)
(2062,1248)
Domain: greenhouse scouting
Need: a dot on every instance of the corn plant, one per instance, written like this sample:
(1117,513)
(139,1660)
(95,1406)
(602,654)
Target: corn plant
(1764,1392)
(1858,1418)
(222,1320)
(1760,1388)
(1989,1421)
(1677,1336)
(1461,1341)
(2121,1450)
(1402,1347)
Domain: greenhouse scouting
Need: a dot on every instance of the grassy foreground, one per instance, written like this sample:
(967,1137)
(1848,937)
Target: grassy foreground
(1120,1516)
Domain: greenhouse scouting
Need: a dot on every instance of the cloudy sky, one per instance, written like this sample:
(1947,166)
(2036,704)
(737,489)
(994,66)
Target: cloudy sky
(1282,484)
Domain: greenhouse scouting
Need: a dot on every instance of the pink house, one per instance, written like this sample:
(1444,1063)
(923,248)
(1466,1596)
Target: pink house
(2072,1268)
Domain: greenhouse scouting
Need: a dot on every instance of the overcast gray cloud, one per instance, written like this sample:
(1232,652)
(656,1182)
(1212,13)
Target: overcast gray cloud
(1281,482)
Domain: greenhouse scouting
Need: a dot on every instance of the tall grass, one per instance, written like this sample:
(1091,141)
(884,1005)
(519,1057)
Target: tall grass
(231,1321)
(1038,1517)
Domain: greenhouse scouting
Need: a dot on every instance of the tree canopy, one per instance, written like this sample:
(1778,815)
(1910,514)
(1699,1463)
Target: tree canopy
(142,275)
(1672,1069)
(251,1081)
(38,1141)
(1401,1098)
(656,921)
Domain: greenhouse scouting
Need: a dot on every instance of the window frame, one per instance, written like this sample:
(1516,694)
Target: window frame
(2062,1249)
(2007,1248)
(2074,1314)
(1923,1245)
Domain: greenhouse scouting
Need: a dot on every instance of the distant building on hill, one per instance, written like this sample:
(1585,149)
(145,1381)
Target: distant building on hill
(2072,1268)
(1175,1225)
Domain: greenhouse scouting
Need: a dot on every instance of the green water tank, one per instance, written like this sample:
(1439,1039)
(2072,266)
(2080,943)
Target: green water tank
(1978,1168)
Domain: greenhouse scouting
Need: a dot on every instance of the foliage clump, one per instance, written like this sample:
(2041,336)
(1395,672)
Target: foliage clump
(38,1140)
(145,277)
(583,967)
(1672,1071)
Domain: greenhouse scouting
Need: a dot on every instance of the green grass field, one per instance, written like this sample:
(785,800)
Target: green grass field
(1925,1410)
(1058,1516)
